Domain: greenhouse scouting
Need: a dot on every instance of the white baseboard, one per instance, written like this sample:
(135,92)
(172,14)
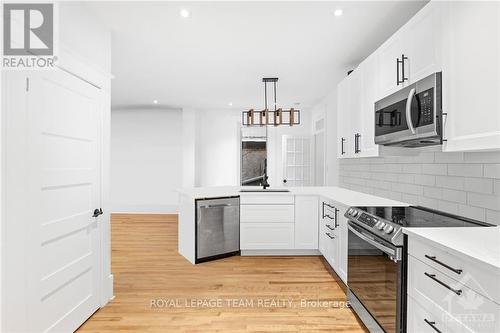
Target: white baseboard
(280,253)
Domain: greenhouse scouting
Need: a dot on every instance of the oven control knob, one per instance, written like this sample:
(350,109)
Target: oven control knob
(388,229)
(380,225)
(354,212)
(349,211)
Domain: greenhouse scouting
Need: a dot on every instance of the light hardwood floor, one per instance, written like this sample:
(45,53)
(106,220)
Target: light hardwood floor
(146,267)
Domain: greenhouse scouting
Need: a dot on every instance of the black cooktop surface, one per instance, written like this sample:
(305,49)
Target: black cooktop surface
(420,217)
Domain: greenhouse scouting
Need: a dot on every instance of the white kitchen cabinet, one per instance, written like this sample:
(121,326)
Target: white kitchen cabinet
(471,75)
(390,69)
(419,42)
(369,93)
(356,111)
(448,289)
(306,226)
(424,39)
(267,236)
(279,222)
(345,139)
(267,213)
(333,236)
(342,235)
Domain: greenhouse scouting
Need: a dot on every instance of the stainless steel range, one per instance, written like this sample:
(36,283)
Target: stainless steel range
(376,263)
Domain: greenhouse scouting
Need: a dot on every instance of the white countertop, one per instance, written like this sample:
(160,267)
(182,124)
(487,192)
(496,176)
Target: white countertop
(481,244)
(341,195)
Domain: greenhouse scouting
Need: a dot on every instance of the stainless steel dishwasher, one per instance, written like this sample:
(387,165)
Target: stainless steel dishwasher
(217,228)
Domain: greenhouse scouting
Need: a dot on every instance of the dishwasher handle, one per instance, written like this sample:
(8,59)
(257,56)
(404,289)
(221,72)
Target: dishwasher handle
(217,205)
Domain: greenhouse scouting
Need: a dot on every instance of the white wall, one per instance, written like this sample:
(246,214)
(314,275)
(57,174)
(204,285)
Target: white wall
(146,160)
(218,144)
(328,108)
(218,147)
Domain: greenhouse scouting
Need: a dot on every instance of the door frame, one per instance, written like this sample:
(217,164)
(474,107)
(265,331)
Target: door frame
(318,117)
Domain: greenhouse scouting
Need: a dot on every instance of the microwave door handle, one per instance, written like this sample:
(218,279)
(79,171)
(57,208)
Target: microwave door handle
(408,110)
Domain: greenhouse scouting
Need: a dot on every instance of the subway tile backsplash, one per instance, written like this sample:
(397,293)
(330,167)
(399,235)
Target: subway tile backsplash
(466,184)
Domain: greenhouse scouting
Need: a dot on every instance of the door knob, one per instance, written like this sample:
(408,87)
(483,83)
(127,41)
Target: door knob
(97,212)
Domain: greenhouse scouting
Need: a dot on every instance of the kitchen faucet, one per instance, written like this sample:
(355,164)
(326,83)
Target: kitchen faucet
(265,184)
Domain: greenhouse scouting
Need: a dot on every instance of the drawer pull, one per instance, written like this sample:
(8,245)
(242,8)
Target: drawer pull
(329,235)
(330,217)
(433,258)
(433,325)
(330,227)
(433,277)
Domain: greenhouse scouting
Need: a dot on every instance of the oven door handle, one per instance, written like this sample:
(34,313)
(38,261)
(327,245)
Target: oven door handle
(392,252)
(408,110)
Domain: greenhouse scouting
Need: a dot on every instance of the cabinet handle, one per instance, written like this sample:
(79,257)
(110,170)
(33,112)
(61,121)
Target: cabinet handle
(356,143)
(433,258)
(330,227)
(402,63)
(404,78)
(433,325)
(329,235)
(336,218)
(433,277)
(323,208)
(397,72)
(342,152)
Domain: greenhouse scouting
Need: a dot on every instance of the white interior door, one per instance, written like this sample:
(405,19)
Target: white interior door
(63,269)
(296,160)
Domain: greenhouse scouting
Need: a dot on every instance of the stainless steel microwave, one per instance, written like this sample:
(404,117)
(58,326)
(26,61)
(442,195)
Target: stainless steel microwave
(412,116)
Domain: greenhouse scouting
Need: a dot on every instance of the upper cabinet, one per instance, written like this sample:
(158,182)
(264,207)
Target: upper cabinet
(459,39)
(344,137)
(357,94)
(413,52)
(471,75)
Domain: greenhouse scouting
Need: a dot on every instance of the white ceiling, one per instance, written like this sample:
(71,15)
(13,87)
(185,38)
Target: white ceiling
(221,52)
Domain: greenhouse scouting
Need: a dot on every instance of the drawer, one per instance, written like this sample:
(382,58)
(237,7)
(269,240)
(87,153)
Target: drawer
(473,310)
(426,317)
(473,275)
(267,213)
(267,236)
(267,199)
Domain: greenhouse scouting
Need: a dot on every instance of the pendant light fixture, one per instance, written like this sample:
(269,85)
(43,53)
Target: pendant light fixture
(274,117)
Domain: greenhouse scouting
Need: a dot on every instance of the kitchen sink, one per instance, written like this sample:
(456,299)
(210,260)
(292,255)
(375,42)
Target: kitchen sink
(266,190)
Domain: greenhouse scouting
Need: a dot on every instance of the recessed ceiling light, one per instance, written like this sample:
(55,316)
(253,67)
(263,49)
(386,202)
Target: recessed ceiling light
(155,101)
(230,103)
(338,12)
(184,13)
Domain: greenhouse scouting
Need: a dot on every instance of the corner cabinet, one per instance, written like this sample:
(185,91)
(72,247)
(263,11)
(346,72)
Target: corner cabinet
(471,88)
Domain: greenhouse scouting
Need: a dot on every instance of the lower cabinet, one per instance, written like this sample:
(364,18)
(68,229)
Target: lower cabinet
(306,225)
(449,293)
(267,236)
(289,223)
(333,236)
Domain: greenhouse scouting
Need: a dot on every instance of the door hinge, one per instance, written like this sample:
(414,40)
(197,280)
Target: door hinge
(27,84)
